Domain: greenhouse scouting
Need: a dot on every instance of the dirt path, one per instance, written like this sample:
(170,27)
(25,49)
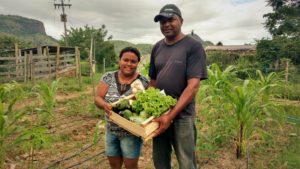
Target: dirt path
(60,97)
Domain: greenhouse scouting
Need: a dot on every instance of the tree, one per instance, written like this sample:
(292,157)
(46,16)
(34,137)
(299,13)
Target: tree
(7,42)
(285,18)
(279,47)
(219,43)
(81,37)
(284,25)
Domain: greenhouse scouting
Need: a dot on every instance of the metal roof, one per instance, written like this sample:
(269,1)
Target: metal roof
(231,48)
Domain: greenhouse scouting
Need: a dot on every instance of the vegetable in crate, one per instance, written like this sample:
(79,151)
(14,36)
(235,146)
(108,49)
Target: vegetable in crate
(126,114)
(121,105)
(152,102)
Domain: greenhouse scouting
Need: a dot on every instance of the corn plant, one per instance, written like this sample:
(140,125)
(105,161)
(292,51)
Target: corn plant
(266,83)
(9,95)
(47,94)
(235,109)
(33,139)
(244,103)
(212,93)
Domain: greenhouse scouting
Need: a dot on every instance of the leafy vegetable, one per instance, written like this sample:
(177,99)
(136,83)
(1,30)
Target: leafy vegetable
(121,105)
(126,114)
(152,102)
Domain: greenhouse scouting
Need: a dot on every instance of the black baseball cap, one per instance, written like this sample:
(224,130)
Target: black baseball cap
(168,11)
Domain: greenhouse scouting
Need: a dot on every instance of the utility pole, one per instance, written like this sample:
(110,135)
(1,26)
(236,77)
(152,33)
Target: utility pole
(63,16)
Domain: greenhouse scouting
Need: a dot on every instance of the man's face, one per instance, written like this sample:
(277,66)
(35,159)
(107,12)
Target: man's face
(170,27)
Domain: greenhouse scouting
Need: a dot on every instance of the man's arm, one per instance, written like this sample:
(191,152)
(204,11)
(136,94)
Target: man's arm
(152,83)
(185,98)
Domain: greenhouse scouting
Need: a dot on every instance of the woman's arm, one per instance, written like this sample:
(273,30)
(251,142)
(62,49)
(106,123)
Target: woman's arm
(100,102)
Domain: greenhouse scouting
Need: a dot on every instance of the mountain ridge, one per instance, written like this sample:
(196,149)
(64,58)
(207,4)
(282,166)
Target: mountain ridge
(26,29)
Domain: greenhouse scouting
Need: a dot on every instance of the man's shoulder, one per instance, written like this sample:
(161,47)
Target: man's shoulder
(193,43)
(159,43)
(192,40)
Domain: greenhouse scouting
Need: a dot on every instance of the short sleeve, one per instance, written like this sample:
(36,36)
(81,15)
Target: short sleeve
(196,63)
(152,70)
(144,81)
(107,78)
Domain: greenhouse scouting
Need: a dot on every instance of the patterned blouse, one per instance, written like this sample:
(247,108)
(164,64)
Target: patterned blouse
(113,95)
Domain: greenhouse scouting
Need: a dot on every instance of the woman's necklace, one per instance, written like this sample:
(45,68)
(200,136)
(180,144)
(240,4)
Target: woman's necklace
(125,82)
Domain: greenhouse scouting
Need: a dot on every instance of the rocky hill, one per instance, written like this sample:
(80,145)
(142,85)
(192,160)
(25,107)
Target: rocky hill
(25,29)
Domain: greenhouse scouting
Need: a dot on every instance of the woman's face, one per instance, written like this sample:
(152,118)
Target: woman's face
(128,63)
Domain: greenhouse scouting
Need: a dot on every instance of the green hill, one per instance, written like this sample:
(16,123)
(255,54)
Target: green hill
(145,49)
(25,29)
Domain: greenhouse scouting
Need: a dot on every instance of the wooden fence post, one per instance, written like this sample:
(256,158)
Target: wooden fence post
(57,61)
(16,58)
(31,64)
(286,78)
(78,66)
(25,66)
(20,63)
(46,53)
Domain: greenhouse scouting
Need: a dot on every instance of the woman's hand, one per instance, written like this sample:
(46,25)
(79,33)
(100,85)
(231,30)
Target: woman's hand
(107,108)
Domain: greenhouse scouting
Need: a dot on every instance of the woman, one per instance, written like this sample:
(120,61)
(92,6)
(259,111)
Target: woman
(121,146)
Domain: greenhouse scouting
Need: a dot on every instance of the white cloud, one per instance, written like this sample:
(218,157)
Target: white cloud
(229,21)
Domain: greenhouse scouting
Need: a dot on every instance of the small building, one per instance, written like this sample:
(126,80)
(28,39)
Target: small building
(235,49)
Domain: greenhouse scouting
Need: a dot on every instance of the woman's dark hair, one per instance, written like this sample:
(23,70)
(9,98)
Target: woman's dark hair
(131,49)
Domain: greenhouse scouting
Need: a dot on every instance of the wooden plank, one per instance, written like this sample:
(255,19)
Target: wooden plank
(12,65)
(145,132)
(78,66)
(6,73)
(6,65)
(44,69)
(30,64)
(25,67)
(71,60)
(57,61)
(44,63)
(147,121)
(16,56)
(66,66)
(68,55)
(49,65)
(7,58)
(41,57)
(127,97)
(39,50)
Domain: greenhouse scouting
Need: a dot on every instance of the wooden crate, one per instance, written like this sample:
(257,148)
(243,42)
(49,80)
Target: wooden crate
(144,130)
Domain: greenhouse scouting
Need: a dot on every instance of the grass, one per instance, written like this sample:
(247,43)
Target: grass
(281,151)
(290,156)
(290,91)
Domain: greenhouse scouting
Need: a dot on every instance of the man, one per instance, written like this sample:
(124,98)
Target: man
(177,65)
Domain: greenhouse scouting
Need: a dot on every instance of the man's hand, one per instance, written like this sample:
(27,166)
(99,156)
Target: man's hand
(164,123)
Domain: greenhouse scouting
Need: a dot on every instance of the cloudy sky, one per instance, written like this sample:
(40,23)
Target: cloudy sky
(232,22)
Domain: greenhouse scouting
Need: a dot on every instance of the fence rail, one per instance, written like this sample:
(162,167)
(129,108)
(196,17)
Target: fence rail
(40,62)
